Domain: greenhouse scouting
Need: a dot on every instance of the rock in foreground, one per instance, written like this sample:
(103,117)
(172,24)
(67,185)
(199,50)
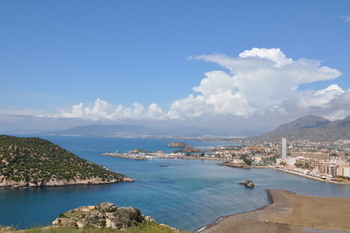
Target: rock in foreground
(105,215)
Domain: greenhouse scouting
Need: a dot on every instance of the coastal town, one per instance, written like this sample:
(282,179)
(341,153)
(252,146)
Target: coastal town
(324,161)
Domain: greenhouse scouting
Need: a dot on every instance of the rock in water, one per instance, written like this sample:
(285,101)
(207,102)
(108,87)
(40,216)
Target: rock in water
(248,183)
(178,144)
(103,215)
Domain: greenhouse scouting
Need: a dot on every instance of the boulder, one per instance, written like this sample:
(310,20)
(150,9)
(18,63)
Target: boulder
(102,215)
(248,183)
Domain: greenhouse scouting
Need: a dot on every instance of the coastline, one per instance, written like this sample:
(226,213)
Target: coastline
(312,177)
(124,156)
(9,184)
(233,165)
(289,212)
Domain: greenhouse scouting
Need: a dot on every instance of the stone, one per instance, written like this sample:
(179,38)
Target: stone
(82,223)
(102,215)
(106,206)
(248,183)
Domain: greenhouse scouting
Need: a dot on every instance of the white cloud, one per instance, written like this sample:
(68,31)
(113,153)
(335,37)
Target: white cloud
(24,112)
(332,102)
(346,18)
(259,80)
(274,55)
(260,83)
(102,110)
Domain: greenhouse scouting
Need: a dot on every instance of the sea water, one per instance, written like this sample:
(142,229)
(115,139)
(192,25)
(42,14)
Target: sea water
(186,194)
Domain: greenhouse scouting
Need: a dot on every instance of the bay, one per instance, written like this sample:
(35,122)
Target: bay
(187,194)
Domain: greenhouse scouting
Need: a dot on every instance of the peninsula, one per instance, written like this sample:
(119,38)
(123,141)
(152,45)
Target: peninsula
(33,162)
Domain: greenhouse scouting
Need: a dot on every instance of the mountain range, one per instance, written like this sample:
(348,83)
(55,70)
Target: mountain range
(105,130)
(142,131)
(313,128)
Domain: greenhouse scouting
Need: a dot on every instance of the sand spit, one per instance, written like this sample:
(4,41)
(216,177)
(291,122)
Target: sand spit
(290,213)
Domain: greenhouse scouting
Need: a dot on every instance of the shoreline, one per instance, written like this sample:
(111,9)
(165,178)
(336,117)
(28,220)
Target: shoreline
(124,156)
(65,183)
(217,222)
(232,165)
(288,212)
(312,177)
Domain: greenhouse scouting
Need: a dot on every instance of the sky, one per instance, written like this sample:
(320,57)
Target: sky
(229,65)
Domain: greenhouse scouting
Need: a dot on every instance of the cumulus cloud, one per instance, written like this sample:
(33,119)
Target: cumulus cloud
(102,110)
(258,80)
(257,83)
(274,55)
(332,102)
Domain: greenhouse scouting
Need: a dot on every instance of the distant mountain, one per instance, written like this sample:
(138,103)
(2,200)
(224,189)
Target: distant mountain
(104,130)
(313,128)
(142,131)
(306,122)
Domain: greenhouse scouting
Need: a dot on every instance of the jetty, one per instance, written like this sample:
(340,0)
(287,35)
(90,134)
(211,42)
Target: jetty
(125,156)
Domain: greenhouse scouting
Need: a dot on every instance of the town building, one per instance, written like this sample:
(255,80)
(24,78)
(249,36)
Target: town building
(284,148)
(311,155)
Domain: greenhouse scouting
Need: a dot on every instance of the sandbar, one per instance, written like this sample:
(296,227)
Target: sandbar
(290,213)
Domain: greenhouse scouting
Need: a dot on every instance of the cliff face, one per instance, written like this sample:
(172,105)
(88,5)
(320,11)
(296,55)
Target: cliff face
(31,162)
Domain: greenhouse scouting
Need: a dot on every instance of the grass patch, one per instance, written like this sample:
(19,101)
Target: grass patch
(147,227)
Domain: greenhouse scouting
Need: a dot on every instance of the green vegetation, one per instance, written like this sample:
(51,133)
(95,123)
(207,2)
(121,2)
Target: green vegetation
(147,227)
(344,177)
(303,165)
(246,159)
(35,160)
(283,163)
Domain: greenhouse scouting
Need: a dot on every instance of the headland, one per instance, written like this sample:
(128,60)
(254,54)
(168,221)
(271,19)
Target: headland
(35,162)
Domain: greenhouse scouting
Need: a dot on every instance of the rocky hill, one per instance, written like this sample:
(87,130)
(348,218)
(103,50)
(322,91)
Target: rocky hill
(28,162)
(313,128)
(306,122)
(178,144)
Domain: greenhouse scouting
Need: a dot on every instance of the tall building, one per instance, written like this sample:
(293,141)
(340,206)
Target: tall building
(284,148)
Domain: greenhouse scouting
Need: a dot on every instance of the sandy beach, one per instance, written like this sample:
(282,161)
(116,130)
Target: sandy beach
(290,213)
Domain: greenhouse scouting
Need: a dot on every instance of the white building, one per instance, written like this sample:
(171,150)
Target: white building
(346,171)
(291,161)
(284,148)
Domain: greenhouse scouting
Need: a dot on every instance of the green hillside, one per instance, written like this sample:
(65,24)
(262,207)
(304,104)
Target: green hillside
(38,162)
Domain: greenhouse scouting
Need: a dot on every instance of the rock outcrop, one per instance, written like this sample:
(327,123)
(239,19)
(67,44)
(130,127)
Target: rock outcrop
(178,145)
(102,215)
(186,147)
(248,183)
(239,163)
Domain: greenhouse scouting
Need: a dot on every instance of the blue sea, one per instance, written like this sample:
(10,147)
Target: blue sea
(187,194)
